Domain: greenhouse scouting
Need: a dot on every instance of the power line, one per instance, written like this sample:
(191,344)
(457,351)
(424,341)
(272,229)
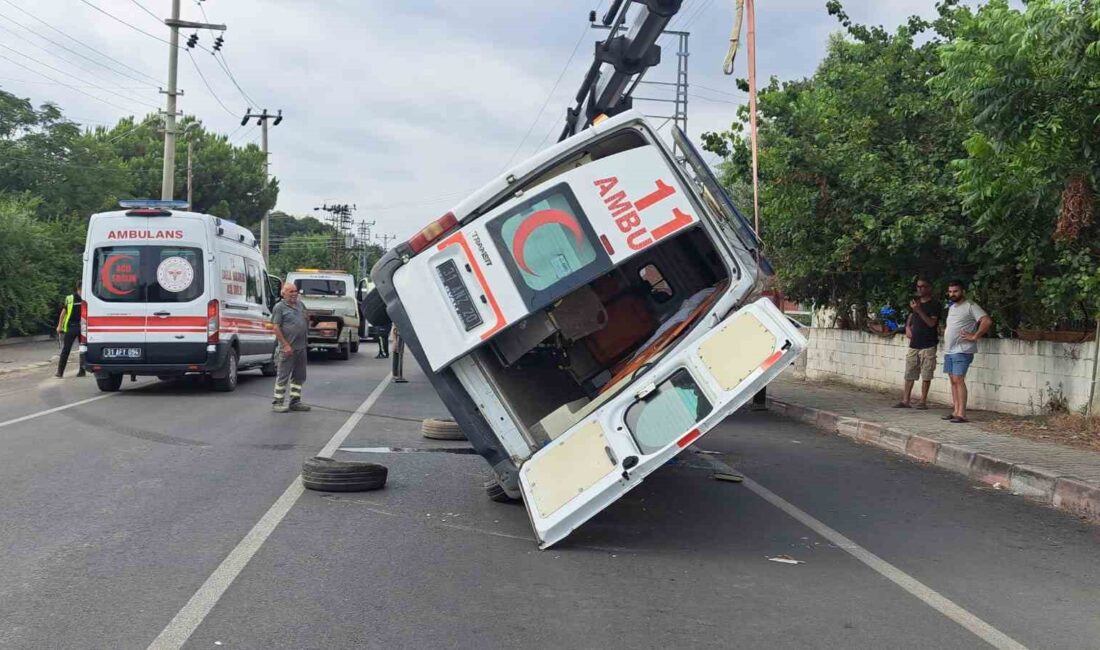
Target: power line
(207,84)
(131,26)
(75,40)
(51,83)
(739,93)
(54,54)
(225,63)
(146,10)
(61,83)
(68,49)
(549,95)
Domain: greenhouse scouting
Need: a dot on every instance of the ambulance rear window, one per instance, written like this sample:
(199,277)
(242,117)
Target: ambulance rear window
(549,246)
(147,273)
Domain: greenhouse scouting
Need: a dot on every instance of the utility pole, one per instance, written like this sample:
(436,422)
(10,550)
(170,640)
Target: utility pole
(261,119)
(168,176)
(362,241)
(340,216)
(190,177)
(386,238)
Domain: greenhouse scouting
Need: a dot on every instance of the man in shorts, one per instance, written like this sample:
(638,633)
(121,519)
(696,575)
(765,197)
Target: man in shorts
(966,323)
(922,329)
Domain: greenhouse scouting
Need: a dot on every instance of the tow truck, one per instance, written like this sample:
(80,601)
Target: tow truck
(331,308)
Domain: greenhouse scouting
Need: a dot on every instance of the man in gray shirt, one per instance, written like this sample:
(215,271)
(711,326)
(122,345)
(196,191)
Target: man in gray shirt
(291,331)
(966,323)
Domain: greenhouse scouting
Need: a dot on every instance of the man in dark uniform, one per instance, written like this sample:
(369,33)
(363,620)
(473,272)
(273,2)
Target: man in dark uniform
(68,330)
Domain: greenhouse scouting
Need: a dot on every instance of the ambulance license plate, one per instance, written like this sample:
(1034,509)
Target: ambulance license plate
(121,353)
(459,294)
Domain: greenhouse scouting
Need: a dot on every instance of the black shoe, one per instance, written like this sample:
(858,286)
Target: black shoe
(58,375)
(81,374)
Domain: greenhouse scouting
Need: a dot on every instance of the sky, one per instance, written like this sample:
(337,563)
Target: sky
(401,108)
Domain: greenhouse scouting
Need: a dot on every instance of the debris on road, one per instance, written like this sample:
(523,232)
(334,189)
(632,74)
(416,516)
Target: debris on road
(329,475)
(728,476)
(785,559)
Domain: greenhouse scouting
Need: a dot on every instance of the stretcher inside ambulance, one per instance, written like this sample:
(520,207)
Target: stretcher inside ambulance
(588,316)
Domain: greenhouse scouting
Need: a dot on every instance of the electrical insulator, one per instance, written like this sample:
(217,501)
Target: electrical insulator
(218,43)
(192,40)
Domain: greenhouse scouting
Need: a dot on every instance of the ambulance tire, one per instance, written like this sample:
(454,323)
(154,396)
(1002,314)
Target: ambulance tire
(328,475)
(374,308)
(109,383)
(441,429)
(496,493)
(228,383)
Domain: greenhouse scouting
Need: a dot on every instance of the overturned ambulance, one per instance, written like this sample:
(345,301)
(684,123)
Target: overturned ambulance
(588,315)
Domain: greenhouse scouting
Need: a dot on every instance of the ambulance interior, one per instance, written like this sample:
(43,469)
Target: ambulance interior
(562,362)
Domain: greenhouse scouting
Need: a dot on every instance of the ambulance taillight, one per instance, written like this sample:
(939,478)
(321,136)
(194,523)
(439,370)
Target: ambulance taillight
(212,321)
(83,323)
(429,234)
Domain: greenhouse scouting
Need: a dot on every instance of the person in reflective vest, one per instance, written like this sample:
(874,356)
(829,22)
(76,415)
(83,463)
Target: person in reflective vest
(68,330)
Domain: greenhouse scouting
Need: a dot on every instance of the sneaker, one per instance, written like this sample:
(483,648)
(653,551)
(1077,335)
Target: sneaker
(280,408)
(298,406)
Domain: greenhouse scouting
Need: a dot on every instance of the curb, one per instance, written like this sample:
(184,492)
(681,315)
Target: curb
(1046,486)
(29,366)
(20,340)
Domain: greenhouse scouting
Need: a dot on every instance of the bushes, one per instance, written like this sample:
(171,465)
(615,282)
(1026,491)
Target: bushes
(30,278)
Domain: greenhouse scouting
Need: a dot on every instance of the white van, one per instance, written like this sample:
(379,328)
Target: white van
(588,315)
(169,292)
(331,309)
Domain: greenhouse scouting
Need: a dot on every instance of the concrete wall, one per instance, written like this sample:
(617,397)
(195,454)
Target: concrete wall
(1007,375)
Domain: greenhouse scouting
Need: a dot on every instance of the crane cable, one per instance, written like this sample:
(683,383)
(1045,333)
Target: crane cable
(747,9)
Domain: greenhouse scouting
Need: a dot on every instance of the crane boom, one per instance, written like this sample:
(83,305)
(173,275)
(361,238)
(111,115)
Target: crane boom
(620,61)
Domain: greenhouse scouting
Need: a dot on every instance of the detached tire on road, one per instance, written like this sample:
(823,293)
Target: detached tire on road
(328,475)
(441,429)
(374,308)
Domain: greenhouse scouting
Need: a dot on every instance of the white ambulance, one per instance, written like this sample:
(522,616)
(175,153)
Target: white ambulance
(587,316)
(169,292)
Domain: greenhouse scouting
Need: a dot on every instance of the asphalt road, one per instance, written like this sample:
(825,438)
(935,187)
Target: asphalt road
(116,512)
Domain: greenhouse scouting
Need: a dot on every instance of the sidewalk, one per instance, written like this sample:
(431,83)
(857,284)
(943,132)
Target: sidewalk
(1056,475)
(36,354)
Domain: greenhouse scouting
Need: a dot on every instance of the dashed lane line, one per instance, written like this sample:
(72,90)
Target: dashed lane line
(188,619)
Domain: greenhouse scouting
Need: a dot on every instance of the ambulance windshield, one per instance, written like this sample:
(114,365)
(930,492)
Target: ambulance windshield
(147,273)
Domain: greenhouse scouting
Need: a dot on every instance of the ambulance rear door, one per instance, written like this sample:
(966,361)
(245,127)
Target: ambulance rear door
(175,269)
(693,388)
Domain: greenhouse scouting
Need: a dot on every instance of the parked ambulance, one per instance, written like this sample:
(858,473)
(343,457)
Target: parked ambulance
(169,292)
(587,316)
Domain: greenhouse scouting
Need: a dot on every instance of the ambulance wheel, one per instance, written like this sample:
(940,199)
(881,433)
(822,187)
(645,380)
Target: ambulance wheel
(374,308)
(441,429)
(109,383)
(228,383)
(328,475)
(271,368)
(355,345)
(496,493)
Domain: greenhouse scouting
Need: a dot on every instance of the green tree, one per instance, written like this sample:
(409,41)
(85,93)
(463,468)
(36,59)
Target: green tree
(857,194)
(29,285)
(1025,81)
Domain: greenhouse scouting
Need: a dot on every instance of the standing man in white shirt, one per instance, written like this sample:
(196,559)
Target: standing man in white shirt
(966,323)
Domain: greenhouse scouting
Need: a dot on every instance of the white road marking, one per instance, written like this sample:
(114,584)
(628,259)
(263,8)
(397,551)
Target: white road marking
(188,619)
(929,596)
(56,409)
